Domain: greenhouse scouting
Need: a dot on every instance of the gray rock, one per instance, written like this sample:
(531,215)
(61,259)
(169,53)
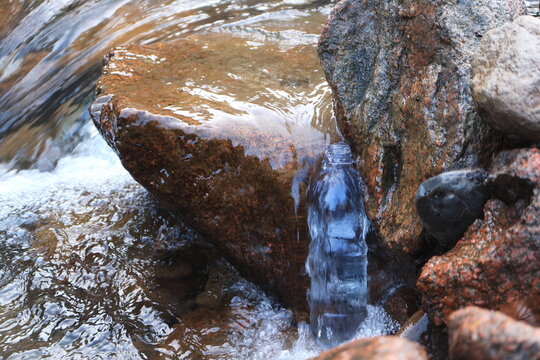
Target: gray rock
(450,202)
(400,75)
(506,82)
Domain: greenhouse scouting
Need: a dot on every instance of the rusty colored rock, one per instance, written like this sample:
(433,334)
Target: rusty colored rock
(400,75)
(378,348)
(479,334)
(402,304)
(222,131)
(496,264)
(9,18)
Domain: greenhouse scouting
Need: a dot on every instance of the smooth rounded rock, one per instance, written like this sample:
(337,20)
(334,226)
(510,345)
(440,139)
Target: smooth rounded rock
(448,203)
(506,82)
(479,334)
(378,348)
(223,130)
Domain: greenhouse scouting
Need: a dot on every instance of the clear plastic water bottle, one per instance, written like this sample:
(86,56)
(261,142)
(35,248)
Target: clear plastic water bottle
(337,260)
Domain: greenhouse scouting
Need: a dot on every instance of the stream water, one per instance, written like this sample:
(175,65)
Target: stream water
(90,266)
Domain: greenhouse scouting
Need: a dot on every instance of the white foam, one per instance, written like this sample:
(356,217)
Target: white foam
(92,166)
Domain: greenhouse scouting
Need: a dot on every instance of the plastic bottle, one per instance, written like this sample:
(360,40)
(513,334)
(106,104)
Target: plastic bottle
(337,260)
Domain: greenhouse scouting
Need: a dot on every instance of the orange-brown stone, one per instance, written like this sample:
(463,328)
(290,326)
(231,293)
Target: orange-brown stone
(496,264)
(378,348)
(479,334)
(222,130)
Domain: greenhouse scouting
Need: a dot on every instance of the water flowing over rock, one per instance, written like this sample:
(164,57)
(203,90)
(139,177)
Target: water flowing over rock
(378,348)
(400,75)
(506,82)
(221,129)
(496,264)
(478,334)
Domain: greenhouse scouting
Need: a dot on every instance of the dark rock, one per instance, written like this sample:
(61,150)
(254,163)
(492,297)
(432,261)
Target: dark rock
(400,75)
(497,262)
(478,334)
(448,203)
(506,82)
(378,348)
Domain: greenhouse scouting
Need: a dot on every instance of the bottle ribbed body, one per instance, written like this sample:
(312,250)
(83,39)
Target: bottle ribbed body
(337,260)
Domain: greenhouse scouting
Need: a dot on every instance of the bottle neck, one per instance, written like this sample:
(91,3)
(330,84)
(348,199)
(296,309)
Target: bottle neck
(338,154)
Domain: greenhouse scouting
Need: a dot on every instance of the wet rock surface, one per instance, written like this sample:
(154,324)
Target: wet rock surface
(448,203)
(496,264)
(378,348)
(479,334)
(400,75)
(402,304)
(216,136)
(506,82)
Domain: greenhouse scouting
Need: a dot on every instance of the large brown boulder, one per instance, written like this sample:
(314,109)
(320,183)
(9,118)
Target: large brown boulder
(478,334)
(400,75)
(221,130)
(378,348)
(496,264)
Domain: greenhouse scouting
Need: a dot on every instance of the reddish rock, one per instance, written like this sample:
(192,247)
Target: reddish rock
(478,334)
(496,264)
(402,304)
(378,348)
(204,125)
(400,75)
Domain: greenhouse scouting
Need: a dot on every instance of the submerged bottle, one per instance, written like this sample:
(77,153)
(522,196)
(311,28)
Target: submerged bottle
(337,260)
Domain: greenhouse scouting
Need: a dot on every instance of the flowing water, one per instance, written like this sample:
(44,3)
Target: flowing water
(533,7)
(90,266)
